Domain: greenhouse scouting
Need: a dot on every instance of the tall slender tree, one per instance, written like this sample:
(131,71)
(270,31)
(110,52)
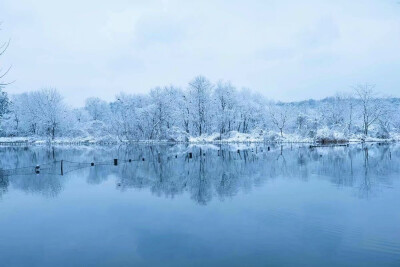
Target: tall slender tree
(372,107)
(4,101)
(200,91)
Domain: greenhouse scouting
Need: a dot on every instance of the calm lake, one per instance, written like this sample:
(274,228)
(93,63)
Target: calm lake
(219,206)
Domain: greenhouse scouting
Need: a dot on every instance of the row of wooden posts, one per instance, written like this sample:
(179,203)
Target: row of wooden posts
(115,161)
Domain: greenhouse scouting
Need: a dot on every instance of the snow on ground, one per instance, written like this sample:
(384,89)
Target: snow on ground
(13,139)
(232,137)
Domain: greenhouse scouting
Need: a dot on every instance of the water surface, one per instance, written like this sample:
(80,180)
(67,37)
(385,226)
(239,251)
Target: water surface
(224,206)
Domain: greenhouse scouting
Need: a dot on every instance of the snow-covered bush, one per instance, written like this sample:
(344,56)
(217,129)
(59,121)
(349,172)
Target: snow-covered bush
(176,134)
(326,135)
(205,138)
(382,131)
(96,128)
(272,136)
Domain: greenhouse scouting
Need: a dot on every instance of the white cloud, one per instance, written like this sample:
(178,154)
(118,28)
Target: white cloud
(284,49)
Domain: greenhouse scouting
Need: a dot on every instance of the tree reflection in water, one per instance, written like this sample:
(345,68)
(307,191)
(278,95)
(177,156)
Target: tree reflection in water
(213,171)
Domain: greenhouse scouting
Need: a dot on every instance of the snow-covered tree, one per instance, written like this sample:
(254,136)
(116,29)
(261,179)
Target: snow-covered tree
(199,92)
(332,111)
(372,107)
(396,118)
(97,108)
(4,101)
(123,117)
(225,97)
(250,111)
(52,111)
(81,115)
(23,118)
(184,104)
(280,116)
(162,105)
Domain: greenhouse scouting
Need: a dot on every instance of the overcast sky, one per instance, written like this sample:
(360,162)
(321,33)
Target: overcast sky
(288,50)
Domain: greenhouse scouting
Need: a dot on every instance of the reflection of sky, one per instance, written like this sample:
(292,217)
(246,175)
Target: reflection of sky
(285,49)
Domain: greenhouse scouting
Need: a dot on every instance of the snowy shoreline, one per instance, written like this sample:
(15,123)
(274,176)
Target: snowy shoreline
(9,141)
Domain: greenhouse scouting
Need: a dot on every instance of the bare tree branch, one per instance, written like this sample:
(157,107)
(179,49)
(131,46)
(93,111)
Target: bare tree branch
(4,47)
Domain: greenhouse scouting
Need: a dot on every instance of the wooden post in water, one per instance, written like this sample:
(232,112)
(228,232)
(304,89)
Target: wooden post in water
(62,167)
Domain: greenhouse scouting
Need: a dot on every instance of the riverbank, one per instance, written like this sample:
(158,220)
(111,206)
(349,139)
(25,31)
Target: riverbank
(234,138)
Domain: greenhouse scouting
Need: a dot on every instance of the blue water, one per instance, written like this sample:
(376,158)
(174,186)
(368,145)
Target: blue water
(225,206)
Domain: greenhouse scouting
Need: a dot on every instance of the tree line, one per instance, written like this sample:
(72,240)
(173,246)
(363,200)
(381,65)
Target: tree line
(201,108)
